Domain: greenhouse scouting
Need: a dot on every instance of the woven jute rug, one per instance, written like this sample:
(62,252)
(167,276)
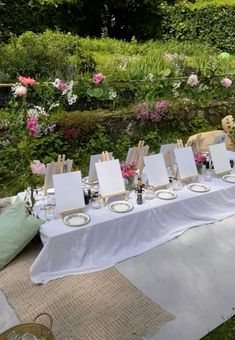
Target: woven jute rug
(97,306)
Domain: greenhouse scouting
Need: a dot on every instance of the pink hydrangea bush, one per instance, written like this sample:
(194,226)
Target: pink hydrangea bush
(193,80)
(226,82)
(98,78)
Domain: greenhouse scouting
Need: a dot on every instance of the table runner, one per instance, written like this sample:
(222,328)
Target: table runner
(110,237)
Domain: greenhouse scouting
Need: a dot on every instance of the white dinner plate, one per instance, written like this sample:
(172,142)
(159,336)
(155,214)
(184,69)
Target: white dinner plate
(198,187)
(229,178)
(76,219)
(86,181)
(50,191)
(121,206)
(165,194)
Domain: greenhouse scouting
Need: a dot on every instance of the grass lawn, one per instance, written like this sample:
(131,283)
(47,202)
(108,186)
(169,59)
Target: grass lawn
(226,331)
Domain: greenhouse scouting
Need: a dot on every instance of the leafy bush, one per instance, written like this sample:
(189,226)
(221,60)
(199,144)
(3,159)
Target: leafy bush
(208,21)
(44,56)
(120,19)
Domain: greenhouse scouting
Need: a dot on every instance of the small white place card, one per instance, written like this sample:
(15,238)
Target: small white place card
(220,158)
(69,191)
(110,177)
(155,169)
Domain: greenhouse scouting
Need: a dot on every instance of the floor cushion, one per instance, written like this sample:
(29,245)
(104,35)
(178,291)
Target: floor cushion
(17,228)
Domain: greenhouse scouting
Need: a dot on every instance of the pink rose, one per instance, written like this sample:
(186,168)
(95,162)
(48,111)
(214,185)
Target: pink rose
(26,81)
(192,80)
(37,168)
(226,82)
(98,78)
(20,91)
(131,173)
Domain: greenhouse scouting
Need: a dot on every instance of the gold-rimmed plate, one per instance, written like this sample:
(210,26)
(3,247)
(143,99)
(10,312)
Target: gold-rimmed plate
(165,194)
(229,178)
(198,187)
(76,219)
(121,206)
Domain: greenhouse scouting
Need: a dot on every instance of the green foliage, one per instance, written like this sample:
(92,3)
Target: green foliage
(210,22)
(120,19)
(44,56)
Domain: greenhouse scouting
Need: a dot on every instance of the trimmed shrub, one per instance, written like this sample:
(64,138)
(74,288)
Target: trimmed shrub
(44,56)
(208,22)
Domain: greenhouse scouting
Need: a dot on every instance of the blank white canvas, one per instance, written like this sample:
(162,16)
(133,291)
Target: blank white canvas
(131,155)
(220,158)
(110,177)
(185,161)
(165,148)
(155,169)
(54,168)
(69,191)
(92,170)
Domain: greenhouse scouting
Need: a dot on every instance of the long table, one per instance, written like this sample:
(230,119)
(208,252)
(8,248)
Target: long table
(113,237)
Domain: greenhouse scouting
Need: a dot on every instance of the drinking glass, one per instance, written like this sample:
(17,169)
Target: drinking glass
(96,202)
(149,193)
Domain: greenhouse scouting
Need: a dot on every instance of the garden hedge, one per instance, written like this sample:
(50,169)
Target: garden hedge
(210,22)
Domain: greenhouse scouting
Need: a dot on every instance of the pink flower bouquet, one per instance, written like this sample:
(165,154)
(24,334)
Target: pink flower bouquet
(199,158)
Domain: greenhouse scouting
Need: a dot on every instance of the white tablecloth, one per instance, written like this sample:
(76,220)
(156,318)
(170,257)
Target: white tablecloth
(111,237)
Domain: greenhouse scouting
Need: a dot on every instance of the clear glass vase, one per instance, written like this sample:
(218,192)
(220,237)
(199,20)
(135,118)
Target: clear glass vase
(200,168)
(129,183)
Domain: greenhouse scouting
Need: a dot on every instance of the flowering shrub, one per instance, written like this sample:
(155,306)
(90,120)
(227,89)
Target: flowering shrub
(192,80)
(154,114)
(98,78)
(37,168)
(26,123)
(226,82)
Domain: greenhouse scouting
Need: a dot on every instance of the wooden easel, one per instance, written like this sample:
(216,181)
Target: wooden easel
(105,156)
(106,197)
(63,213)
(180,143)
(55,168)
(112,167)
(136,155)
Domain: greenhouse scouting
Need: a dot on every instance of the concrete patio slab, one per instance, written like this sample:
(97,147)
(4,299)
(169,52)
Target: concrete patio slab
(192,277)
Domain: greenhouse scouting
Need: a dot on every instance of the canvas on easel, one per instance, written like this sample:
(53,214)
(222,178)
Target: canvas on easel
(92,175)
(155,169)
(136,155)
(186,164)
(110,179)
(69,192)
(220,158)
(168,152)
(54,168)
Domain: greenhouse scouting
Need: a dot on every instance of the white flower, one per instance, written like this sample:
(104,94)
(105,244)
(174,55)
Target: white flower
(150,76)
(56,83)
(37,111)
(112,94)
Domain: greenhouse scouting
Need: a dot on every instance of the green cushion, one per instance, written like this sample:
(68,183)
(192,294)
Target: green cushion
(17,228)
